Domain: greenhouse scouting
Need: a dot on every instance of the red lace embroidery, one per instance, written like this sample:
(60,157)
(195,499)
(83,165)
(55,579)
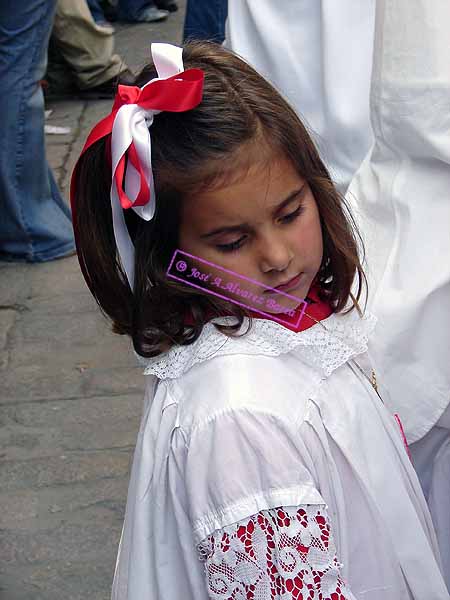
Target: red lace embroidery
(282,553)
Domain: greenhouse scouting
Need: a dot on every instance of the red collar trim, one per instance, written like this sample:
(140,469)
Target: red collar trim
(317,308)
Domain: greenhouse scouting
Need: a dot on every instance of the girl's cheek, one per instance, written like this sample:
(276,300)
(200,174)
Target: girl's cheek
(309,243)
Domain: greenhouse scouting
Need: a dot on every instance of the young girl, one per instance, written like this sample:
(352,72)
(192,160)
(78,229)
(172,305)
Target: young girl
(266,465)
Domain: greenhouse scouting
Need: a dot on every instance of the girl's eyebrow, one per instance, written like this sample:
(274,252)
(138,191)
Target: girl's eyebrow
(245,226)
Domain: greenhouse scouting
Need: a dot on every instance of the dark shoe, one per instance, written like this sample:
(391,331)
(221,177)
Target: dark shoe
(169,5)
(152,15)
(108,88)
(110,13)
(54,92)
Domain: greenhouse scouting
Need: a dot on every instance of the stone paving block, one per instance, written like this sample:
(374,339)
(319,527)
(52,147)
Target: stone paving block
(28,382)
(57,354)
(14,283)
(95,111)
(60,140)
(64,289)
(31,510)
(77,302)
(77,341)
(90,536)
(59,176)
(14,585)
(68,580)
(75,329)
(7,320)
(18,510)
(137,55)
(56,278)
(34,383)
(68,468)
(57,153)
(122,380)
(51,428)
(66,113)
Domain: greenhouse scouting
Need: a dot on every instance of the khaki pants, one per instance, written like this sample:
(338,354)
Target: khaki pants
(80,53)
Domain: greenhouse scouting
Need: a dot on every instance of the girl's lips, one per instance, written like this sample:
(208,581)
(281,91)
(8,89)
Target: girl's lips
(290,285)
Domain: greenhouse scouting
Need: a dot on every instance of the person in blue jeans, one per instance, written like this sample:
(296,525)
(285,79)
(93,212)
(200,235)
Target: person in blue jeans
(35,222)
(205,20)
(97,11)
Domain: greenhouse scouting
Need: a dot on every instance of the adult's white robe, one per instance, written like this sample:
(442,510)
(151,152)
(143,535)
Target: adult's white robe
(401,195)
(318,53)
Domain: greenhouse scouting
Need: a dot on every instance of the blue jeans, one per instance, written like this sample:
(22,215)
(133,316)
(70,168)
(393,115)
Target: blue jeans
(131,10)
(35,222)
(205,20)
(96,11)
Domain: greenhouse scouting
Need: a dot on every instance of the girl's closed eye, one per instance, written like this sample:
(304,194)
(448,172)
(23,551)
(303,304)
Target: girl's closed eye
(233,246)
(293,215)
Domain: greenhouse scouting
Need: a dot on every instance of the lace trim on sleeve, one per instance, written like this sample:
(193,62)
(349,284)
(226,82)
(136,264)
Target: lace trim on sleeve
(282,553)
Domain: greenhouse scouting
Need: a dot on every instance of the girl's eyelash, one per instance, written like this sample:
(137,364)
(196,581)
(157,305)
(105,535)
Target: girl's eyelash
(292,215)
(230,247)
(237,244)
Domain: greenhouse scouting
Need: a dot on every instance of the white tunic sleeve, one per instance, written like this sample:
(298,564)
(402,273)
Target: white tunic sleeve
(242,461)
(284,552)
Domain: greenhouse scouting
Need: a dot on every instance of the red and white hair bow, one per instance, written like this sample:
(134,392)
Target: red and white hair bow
(174,90)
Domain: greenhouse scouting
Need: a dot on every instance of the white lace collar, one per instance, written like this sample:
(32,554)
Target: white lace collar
(325,350)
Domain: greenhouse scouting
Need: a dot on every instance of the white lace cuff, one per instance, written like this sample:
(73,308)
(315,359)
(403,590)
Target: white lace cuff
(284,553)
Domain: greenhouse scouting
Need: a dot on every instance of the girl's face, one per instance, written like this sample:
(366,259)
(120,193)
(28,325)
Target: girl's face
(265,226)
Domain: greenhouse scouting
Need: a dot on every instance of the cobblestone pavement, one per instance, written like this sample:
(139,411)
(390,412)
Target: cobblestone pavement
(70,399)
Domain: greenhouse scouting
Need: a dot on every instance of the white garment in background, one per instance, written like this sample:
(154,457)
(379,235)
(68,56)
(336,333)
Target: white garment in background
(318,53)
(234,426)
(431,458)
(401,195)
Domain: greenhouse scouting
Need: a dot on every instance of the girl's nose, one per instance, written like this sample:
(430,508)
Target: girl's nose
(274,256)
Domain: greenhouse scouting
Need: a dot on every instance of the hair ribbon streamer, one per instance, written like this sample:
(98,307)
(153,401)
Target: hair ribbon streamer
(128,124)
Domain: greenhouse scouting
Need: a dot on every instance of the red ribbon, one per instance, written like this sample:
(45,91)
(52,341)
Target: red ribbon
(178,93)
(402,432)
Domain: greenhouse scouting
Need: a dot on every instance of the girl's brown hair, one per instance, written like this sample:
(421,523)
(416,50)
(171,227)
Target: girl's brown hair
(192,151)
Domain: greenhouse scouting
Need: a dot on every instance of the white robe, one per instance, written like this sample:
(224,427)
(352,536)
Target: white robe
(318,53)
(274,418)
(401,196)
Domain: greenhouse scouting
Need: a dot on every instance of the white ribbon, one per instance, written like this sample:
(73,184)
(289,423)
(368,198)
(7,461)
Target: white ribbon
(131,126)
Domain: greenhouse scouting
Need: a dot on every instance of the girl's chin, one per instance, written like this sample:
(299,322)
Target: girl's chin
(280,310)
(279,304)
